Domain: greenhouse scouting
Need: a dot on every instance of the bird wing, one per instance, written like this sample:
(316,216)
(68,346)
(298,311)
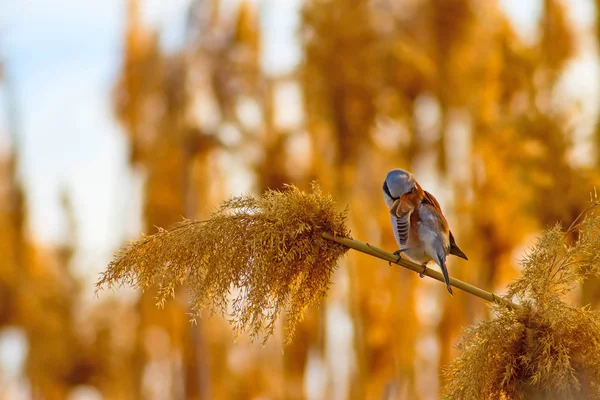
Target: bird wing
(432,201)
(454,249)
(435,211)
(433,233)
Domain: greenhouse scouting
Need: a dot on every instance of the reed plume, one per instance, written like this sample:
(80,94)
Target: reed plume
(548,348)
(253,259)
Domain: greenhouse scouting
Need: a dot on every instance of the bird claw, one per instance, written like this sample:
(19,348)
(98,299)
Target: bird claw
(397,254)
(422,273)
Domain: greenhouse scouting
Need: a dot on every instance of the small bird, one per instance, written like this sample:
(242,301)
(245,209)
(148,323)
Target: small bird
(420,228)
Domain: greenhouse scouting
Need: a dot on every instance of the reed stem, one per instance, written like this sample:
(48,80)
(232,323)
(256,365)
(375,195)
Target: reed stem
(384,255)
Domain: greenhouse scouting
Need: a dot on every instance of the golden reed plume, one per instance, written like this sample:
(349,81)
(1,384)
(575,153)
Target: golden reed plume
(253,259)
(258,257)
(547,348)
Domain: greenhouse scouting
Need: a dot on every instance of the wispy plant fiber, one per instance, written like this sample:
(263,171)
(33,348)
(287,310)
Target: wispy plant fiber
(253,259)
(548,349)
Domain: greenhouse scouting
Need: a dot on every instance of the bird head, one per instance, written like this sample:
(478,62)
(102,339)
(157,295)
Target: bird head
(397,183)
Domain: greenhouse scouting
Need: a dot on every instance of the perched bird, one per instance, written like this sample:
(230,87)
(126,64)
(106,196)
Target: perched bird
(420,228)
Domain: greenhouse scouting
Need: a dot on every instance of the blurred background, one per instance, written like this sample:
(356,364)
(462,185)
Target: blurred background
(123,115)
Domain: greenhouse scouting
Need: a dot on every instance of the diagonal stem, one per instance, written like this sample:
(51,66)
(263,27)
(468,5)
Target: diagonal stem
(384,255)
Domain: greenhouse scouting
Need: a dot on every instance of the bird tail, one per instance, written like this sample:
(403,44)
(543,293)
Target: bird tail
(455,250)
(458,252)
(441,261)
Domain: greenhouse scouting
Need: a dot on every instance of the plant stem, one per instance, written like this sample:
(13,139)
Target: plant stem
(384,255)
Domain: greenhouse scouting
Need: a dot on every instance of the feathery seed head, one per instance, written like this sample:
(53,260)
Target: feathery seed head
(253,259)
(547,349)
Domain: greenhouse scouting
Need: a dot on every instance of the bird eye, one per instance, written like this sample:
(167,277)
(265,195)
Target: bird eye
(411,190)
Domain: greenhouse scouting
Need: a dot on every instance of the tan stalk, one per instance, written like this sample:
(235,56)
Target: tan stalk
(384,255)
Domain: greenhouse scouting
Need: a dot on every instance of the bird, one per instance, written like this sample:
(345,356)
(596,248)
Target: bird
(420,228)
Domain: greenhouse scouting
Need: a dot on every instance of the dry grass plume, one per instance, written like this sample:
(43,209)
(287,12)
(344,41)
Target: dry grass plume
(253,259)
(549,349)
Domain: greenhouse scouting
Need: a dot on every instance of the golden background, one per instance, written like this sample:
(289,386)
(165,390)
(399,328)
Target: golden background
(445,88)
